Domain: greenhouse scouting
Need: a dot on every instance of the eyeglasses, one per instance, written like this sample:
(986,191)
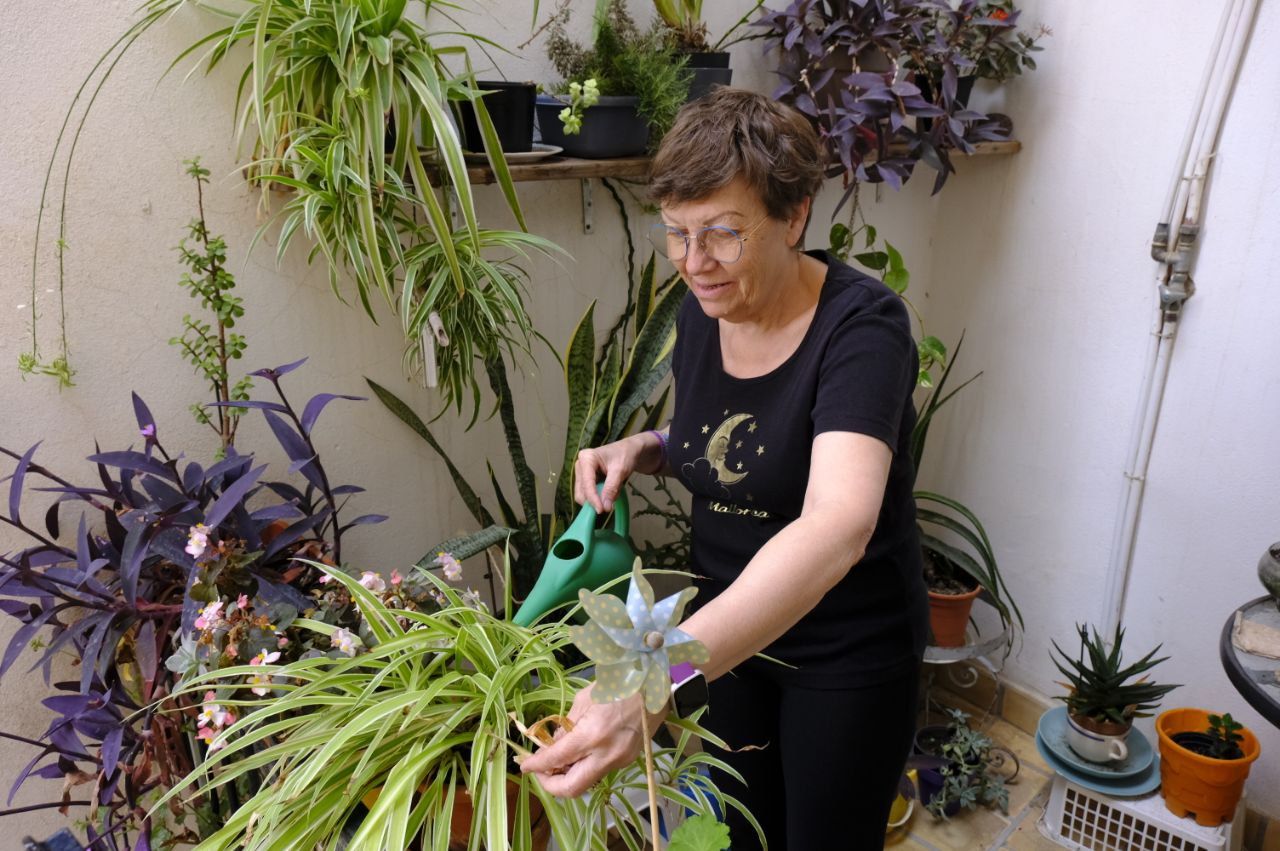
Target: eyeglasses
(722,244)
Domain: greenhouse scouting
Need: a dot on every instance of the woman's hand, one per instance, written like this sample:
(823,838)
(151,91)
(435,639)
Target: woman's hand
(616,462)
(605,736)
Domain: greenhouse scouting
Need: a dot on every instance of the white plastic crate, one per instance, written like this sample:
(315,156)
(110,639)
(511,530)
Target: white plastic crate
(1079,818)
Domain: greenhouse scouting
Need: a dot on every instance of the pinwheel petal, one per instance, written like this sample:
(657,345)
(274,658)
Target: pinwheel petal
(597,644)
(606,610)
(640,594)
(657,687)
(668,611)
(618,681)
(686,649)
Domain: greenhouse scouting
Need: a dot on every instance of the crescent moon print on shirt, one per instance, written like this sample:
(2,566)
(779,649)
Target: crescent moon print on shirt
(730,448)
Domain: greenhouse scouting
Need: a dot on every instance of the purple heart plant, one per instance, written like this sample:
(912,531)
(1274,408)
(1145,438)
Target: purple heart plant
(856,68)
(174,570)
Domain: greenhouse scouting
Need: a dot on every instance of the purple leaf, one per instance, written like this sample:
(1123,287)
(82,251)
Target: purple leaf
(279,511)
(274,593)
(251,403)
(18,643)
(273,374)
(316,405)
(142,413)
(342,490)
(89,658)
(50,772)
(299,464)
(62,737)
(294,532)
(109,788)
(192,477)
(26,771)
(164,495)
(171,544)
(73,704)
(231,496)
(135,461)
(144,838)
(15,486)
(111,749)
(365,519)
(135,550)
(237,464)
(190,606)
(294,446)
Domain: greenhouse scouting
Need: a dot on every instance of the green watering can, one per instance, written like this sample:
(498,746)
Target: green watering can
(583,557)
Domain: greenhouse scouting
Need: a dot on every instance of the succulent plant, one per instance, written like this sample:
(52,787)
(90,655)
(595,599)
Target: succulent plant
(1100,688)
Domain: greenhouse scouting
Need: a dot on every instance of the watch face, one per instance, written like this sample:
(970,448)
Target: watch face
(690,695)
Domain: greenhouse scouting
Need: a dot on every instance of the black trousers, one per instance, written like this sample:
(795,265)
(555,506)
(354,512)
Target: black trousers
(828,769)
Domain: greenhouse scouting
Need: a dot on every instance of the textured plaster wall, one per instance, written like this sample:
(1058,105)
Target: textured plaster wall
(1041,257)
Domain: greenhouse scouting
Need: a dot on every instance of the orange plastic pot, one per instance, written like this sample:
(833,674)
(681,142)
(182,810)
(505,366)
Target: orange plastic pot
(1195,784)
(949,615)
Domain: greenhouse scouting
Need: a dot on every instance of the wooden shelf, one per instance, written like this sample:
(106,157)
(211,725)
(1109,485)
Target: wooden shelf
(637,168)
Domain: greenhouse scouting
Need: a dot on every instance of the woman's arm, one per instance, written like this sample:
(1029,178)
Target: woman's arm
(782,583)
(792,572)
(639,453)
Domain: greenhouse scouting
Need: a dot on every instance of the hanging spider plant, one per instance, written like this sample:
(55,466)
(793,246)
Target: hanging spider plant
(435,706)
(332,96)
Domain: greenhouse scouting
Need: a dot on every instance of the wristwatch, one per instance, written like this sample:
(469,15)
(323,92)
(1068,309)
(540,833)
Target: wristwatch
(688,690)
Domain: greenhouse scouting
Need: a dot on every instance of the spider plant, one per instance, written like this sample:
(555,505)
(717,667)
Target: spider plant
(436,705)
(330,95)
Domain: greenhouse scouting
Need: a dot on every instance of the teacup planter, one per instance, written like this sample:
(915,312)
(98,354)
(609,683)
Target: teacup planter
(1204,762)
(1097,741)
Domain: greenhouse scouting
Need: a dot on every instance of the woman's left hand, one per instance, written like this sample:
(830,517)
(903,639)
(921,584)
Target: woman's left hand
(605,736)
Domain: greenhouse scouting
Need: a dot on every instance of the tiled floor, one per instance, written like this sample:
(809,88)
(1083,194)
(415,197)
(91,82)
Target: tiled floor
(975,830)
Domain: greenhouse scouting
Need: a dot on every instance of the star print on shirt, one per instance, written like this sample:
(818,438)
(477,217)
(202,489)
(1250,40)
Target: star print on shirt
(739,465)
(685,445)
(706,428)
(738,445)
(760,450)
(750,428)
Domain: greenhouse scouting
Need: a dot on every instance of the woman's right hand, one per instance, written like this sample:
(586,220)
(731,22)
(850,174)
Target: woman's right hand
(615,462)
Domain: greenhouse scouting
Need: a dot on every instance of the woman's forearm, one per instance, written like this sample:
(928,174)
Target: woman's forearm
(786,579)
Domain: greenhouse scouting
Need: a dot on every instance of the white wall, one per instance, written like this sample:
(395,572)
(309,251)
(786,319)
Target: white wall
(1042,257)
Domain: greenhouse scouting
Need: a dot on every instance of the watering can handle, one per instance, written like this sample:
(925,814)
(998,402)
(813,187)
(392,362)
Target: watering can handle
(586,519)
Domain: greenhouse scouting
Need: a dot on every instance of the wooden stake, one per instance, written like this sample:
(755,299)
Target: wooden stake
(649,775)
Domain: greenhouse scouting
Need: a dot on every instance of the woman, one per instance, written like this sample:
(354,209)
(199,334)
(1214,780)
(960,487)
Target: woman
(791,427)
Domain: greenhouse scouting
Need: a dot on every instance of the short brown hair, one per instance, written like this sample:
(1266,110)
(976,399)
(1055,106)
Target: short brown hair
(733,133)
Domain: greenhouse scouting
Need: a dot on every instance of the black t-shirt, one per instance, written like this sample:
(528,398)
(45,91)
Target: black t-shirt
(742,446)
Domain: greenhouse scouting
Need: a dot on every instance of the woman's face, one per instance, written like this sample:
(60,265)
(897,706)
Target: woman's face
(743,290)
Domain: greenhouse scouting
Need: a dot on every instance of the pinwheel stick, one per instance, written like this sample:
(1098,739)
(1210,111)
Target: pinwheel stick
(649,775)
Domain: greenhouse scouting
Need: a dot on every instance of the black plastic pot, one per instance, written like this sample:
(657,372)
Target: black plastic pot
(709,69)
(611,128)
(510,105)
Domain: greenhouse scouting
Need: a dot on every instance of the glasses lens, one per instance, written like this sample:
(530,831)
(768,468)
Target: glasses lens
(668,242)
(721,244)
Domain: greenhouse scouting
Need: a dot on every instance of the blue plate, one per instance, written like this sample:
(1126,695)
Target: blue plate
(1052,730)
(1138,785)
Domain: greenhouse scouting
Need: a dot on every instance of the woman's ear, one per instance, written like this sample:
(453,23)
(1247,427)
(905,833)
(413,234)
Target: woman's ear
(797,221)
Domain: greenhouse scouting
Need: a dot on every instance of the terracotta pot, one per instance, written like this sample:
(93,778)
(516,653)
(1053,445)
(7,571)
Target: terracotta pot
(464,811)
(949,615)
(1195,784)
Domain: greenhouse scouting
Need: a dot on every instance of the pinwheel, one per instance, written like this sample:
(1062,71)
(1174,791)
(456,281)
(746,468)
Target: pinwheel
(634,645)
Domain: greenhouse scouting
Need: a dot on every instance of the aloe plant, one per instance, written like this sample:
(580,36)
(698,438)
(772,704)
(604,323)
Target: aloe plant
(323,85)
(1099,684)
(436,705)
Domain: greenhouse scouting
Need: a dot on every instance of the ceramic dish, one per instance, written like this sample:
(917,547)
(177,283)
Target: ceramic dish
(1052,730)
(1143,783)
(540,151)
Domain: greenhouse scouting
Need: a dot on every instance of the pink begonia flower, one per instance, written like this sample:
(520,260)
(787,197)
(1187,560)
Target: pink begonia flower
(148,431)
(325,579)
(261,683)
(373,582)
(282,642)
(232,651)
(213,715)
(207,735)
(264,658)
(197,540)
(452,568)
(344,642)
(210,616)
(396,578)
(242,602)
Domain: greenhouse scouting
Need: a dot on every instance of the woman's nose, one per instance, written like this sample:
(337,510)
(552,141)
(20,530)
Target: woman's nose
(697,259)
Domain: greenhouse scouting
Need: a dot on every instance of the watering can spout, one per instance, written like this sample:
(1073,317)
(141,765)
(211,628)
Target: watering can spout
(583,557)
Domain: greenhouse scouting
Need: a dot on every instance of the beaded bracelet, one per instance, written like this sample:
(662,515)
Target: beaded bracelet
(662,444)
